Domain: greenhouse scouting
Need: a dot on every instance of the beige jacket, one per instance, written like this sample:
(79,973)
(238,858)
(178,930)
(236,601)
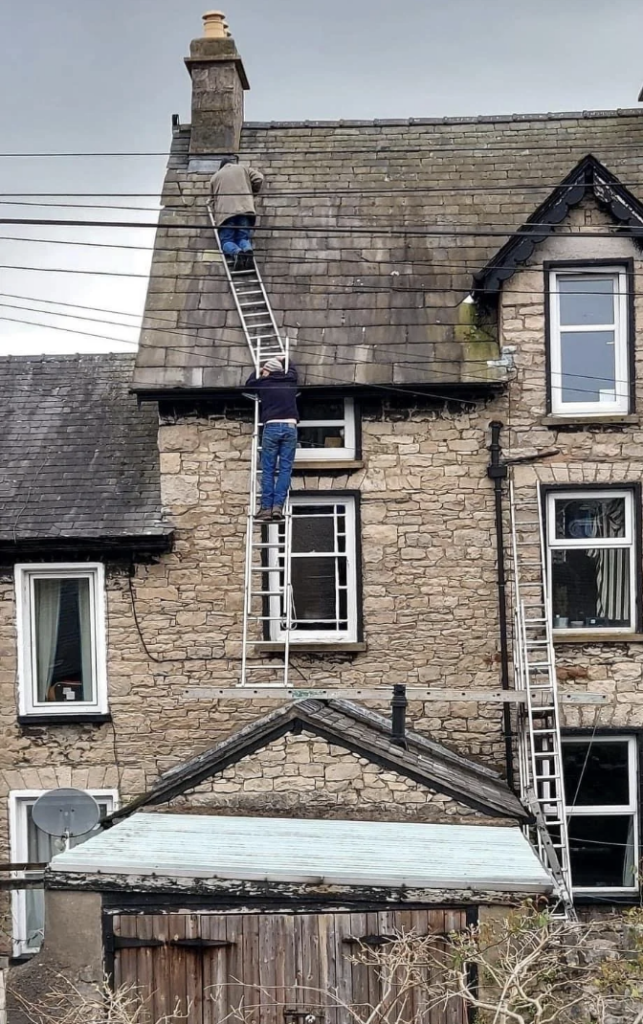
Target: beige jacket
(233,189)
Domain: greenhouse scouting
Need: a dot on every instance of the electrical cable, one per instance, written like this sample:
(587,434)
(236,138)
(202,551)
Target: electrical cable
(269,193)
(188,332)
(224,362)
(432,147)
(288,282)
(620,231)
(184,332)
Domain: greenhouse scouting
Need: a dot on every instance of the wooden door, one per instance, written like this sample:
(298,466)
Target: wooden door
(266,968)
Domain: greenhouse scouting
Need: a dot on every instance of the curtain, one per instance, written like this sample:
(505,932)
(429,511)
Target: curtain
(85,624)
(612,564)
(47,617)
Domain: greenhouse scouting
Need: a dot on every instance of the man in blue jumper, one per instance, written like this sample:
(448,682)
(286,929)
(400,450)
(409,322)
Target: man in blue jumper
(277,390)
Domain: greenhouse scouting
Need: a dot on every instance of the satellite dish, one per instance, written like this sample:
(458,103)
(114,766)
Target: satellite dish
(66,812)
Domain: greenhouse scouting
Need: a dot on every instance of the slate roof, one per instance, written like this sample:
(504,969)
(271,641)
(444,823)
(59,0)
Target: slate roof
(363,302)
(78,459)
(362,732)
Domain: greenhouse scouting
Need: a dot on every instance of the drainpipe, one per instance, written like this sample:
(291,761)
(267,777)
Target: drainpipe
(497,471)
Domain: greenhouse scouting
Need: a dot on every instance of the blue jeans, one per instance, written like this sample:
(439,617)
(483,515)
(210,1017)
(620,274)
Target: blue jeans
(236,234)
(278,444)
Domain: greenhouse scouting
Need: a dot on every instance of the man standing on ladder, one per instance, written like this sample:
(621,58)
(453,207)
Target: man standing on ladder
(233,189)
(277,390)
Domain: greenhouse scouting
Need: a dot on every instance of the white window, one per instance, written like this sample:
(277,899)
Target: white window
(601,792)
(323,571)
(592,563)
(326,429)
(30,845)
(589,342)
(61,638)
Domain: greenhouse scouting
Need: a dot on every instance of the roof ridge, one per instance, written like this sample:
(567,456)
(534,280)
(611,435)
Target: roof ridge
(68,357)
(554,115)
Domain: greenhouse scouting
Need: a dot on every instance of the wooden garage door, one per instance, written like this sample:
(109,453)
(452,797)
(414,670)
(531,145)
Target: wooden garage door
(264,969)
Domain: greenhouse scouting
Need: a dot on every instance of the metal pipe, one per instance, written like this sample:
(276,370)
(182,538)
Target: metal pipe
(399,705)
(497,471)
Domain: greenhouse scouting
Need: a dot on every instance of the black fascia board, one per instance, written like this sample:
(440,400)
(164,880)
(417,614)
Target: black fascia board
(469,390)
(141,546)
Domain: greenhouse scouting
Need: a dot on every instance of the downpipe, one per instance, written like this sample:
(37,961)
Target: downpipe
(497,472)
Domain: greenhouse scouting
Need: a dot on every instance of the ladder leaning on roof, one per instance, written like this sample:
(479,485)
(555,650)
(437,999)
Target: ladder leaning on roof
(540,748)
(267,598)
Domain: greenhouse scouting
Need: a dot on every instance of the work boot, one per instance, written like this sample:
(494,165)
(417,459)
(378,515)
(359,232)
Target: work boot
(264,515)
(277,513)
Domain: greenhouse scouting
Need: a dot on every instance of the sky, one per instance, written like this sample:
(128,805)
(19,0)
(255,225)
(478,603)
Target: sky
(87,76)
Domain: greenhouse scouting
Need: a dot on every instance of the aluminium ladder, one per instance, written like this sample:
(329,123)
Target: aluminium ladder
(267,598)
(540,753)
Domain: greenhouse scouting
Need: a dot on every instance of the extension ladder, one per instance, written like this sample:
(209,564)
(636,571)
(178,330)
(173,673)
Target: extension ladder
(267,598)
(540,753)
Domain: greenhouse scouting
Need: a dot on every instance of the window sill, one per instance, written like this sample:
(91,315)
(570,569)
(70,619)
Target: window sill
(73,718)
(328,465)
(336,647)
(625,899)
(578,422)
(593,636)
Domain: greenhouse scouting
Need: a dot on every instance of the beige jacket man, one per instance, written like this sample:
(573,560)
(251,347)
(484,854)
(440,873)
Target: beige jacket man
(233,189)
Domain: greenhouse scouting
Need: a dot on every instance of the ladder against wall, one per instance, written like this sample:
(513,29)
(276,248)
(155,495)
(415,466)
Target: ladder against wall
(540,748)
(267,601)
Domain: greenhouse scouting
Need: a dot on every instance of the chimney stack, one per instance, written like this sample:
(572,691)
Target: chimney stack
(218,84)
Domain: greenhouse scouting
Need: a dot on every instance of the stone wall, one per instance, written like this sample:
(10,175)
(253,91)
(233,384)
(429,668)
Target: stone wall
(588,455)
(306,777)
(429,589)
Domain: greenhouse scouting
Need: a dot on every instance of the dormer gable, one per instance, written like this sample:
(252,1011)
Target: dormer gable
(589,179)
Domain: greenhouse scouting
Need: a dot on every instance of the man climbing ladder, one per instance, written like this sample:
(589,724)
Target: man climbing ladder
(277,391)
(233,189)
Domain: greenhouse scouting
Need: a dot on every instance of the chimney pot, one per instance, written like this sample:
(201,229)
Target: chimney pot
(214,25)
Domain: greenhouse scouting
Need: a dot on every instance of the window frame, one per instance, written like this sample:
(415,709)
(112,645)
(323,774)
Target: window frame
(19,801)
(348,452)
(631,541)
(624,337)
(25,575)
(353,574)
(612,810)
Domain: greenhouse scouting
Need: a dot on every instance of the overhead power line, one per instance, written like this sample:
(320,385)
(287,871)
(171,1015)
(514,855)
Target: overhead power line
(183,332)
(443,231)
(254,149)
(312,193)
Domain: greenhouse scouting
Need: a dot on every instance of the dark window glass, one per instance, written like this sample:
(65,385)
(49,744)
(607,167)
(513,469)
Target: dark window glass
(320,437)
(319,567)
(585,518)
(313,585)
(602,851)
(596,774)
(313,528)
(320,408)
(63,647)
(591,588)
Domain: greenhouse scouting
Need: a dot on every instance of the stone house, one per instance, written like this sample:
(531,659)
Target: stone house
(434,276)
